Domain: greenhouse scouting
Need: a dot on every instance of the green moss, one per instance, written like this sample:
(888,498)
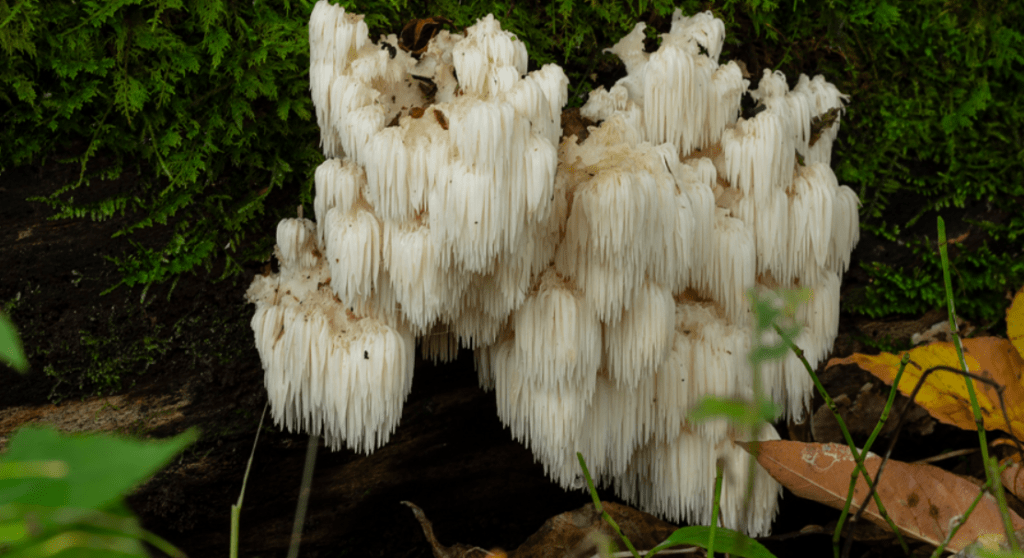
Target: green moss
(208,103)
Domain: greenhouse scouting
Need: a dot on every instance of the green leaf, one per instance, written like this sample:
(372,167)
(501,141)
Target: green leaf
(11,351)
(886,16)
(737,411)
(94,480)
(72,531)
(82,544)
(965,114)
(217,43)
(726,541)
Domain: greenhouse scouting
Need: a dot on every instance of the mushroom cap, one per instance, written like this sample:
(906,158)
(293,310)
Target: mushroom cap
(636,345)
(557,334)
(624,215)
(486,52)
(546,416)
(296,244)
(810,223)
(602,104)
(630,49)
(732,271)
(702,29)
(728,87)
(338,183)
(676,97)
(423,285)
(758,155)
(388,185)
(617,422)
(846,228)
(353,251)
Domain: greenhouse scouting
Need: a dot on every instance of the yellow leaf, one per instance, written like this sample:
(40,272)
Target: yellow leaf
(1015,321)
(944,394)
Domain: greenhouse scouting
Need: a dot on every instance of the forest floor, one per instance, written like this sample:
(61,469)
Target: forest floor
(171,360)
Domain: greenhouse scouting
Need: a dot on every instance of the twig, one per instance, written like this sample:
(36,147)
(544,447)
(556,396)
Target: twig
(300,509)
(947,455)
(626,553)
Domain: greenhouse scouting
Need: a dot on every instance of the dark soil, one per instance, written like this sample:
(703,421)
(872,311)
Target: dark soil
(450,455)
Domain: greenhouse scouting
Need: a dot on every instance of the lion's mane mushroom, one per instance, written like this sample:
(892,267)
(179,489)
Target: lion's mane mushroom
(746,215)
(602,283)
(313,348)
(434,212)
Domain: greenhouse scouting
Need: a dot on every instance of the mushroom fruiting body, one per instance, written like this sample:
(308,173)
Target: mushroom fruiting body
(603,283)
(313,349)
(443,216)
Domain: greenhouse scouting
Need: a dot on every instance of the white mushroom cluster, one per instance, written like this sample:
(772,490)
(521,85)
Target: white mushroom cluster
(603,283)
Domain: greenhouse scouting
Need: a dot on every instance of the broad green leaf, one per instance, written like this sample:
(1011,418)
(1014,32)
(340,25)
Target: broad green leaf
(45,525)
(737,411)
(53,469)
(726,541)
(11,351)
(100,467)
(13,531)
(82,544)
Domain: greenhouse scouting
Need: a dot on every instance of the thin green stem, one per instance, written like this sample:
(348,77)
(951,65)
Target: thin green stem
(963,518)
(156,151)
(236,510)
(300,508)
(162,545)
(754,428)
(714,509)
(600,508)
(893,390)
(872,492)
(979,421)
(590,483)
(91,148)
(991,467)
(867,447)
(857,456)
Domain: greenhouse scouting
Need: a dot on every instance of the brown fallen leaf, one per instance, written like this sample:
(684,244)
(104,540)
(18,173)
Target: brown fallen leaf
(923,501)
(989,545)
(1013,479)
